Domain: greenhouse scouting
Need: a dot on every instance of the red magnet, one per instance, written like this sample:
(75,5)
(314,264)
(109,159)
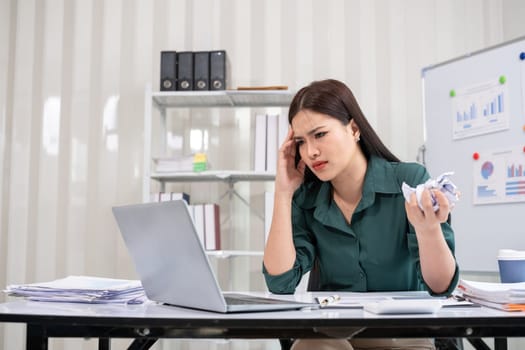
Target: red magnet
(476,155)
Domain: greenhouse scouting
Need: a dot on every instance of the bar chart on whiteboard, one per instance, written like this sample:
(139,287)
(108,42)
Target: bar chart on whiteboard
(479,109)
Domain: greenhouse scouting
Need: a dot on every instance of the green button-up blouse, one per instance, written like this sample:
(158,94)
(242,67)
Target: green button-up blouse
(378,251)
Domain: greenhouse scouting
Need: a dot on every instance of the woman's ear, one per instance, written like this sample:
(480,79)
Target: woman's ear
(354,129)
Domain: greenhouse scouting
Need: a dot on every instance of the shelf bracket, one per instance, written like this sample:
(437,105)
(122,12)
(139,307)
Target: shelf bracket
(231,192)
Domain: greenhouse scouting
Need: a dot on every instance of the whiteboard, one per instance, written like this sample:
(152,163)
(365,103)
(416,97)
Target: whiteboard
(474,117)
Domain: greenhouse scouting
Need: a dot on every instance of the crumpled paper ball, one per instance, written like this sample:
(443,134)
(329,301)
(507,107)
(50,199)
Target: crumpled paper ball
(442,183)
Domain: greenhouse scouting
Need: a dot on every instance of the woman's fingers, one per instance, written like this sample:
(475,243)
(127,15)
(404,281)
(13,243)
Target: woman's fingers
(444,206)
(426,215)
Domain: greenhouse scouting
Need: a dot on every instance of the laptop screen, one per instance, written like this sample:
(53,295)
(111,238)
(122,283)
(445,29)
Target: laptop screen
(168,255)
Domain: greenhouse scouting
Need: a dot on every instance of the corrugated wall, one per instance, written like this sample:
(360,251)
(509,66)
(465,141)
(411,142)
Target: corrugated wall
(72,80)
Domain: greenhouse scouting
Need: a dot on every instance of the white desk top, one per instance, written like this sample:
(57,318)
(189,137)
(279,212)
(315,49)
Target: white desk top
(152,310)
(152,320)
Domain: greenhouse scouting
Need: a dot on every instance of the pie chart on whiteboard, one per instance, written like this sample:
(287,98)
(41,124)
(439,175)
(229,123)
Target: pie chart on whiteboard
(487,169)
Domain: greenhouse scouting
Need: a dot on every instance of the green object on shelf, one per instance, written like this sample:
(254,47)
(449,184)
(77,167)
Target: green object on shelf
(200,162)
(198,167)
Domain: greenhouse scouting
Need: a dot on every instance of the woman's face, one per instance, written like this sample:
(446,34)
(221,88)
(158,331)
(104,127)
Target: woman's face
(326,146)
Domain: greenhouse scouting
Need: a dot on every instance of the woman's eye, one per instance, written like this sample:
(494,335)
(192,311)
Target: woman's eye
(299,142)
(320,134)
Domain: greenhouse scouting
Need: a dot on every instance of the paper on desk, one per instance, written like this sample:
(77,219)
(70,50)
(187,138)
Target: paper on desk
(337,302)
(82,289)
(506,295)
(359,299)
(404,306)
(499,306)
(441,183)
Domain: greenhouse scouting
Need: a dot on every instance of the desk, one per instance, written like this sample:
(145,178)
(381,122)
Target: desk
(150,321)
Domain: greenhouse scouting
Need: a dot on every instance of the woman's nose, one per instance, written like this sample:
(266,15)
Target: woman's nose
(313,151)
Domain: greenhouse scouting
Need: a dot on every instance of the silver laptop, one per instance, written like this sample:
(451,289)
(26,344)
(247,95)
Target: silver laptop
(172,264)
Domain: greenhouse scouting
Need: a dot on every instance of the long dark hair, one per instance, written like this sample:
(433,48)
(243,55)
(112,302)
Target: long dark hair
(334,98)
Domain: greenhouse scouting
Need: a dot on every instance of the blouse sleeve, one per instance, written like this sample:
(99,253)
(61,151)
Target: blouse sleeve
(286,282)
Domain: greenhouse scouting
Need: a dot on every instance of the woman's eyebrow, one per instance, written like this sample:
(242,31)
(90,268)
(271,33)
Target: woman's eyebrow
(314,130)
(311,132)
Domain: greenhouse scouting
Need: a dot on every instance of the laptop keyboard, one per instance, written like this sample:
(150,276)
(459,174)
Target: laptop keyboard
(242,299)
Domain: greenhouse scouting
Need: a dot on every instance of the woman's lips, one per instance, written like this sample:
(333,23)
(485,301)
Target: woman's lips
(319,165)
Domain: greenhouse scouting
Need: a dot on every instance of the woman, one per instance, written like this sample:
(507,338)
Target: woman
(338,201)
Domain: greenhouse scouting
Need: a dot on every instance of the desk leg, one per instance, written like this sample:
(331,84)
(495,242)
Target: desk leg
(479,344)
(104,343)
(500,343)
(36,337)
(142,344)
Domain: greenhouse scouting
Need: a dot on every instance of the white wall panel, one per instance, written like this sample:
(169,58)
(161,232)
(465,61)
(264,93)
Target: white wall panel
(383,118)
(49,118)
(510,13)
(352,43)
(7,11)
(17,209)
(5,125)
(368,60)
(304,54)
(419,53)
(19,187)
(72,80)
(239,45)
(254,53)
(337,21)
(396,74)
(80,25)
(273,43)
(288,47)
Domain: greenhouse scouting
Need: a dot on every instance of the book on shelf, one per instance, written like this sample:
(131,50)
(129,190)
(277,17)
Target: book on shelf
(260,143)
(169,196)
(173,164)
(180,195)
(212,226)
(165,196)
(268,212)
(194,163)
(503,296)
(198,220)
(282,129)
(270,132)
(206,218)
(272,125)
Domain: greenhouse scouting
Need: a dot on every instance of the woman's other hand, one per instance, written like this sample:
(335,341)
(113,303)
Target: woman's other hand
(427,219)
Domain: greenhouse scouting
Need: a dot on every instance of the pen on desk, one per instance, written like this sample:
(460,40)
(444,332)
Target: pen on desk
(328,300)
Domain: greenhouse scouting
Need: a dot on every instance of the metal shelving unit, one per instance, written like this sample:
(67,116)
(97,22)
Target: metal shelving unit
(163,101)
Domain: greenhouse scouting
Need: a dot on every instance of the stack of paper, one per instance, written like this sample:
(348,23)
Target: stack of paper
(503,296)
(173,164)
(82,289)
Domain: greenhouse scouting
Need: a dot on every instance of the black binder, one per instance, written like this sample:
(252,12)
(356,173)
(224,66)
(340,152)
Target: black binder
(185,71)
(218,70)
(168,70)
(201,70)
